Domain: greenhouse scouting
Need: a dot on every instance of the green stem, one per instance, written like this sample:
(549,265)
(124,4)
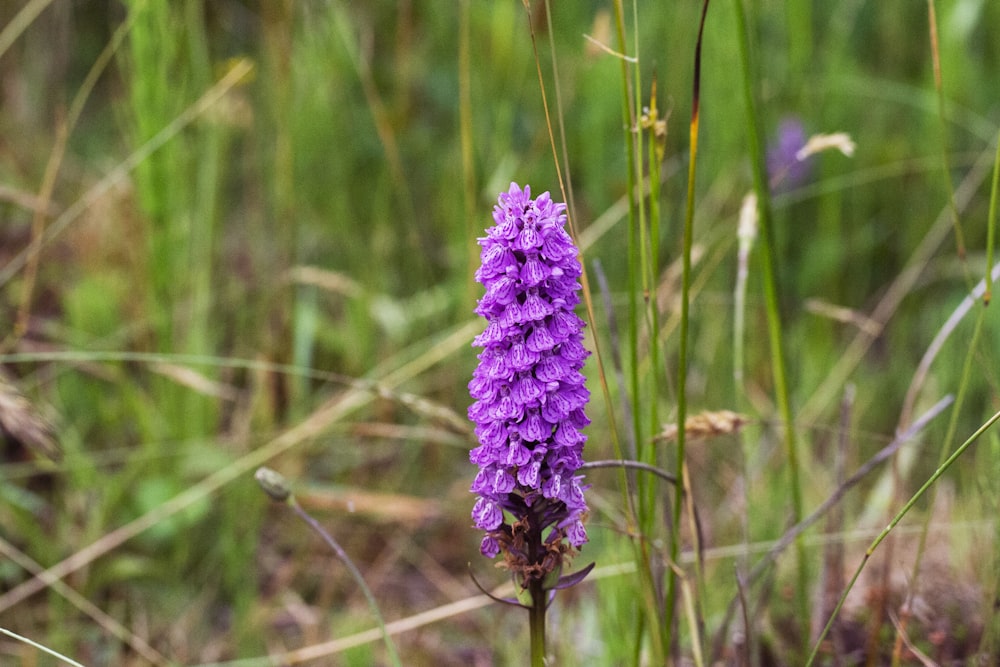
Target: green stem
(652,610)
(755,140)
(963,385)
(684,325)
(537,622)
(991,224)
(945,169)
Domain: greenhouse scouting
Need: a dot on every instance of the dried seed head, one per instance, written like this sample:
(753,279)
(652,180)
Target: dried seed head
(705,425)
(274,484)
(21,422)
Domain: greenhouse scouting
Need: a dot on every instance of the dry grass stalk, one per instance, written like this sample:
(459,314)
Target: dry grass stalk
(22,423)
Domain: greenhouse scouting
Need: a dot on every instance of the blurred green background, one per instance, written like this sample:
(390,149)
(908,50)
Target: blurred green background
(257,210)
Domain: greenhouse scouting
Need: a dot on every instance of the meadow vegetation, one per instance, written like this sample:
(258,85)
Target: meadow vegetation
(236,234)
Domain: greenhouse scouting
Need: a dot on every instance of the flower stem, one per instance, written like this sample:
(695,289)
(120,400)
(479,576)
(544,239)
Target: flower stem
(537,622)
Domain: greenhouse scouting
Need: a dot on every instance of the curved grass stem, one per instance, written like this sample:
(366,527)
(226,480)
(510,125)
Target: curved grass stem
(390,646)
(278,489)
(892,524)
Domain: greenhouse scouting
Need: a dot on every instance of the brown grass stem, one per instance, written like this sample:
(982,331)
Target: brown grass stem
(895,521)
(331,412)
(793,533)
(99,616)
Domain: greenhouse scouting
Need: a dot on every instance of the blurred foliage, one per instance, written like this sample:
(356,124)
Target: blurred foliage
(341,152)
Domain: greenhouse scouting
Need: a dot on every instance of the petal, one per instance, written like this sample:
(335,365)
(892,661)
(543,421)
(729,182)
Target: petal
(503,482)
(500,292)
(527,476)
(564,323)
(555,408)
(550,368)
(535,308)
(506,225)
(495,258)
(534,428)
(552,487)
(496,367)
(487,514)
(492,434)
(573,350)
(482,388)
(539,340)
(505,409)
(527,390)
(576,534)
(579,418)
(566,435)
(529,239)
(517,454)
(480,455)
(489,547)
(534,271)
(557,245)
(576,499)
(511,316)
(577,396)
(482,482)
(492,335)
(521,358)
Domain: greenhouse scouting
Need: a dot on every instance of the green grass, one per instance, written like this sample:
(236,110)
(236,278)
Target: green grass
(258,249)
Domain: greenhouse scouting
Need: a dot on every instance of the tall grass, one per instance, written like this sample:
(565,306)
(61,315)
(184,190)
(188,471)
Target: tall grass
(252,245)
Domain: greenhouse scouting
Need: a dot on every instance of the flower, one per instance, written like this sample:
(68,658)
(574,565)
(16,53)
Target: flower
(528,389)
(787,168)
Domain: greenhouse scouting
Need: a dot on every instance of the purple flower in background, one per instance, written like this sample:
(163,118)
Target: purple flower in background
(785,170)
(528,389)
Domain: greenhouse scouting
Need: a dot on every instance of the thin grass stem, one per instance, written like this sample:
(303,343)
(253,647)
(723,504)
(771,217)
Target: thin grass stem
(111,625)
(231,79)
(963,385)
(945,168)
(356,575)
(991,225)
(52,167)
(895,521)
(769,270)
(901,286)
(652,614)
(43,649)
(17,25)
(989,644)
(466,139)
(793,534)
(633,465)
(682,355)
(331,412)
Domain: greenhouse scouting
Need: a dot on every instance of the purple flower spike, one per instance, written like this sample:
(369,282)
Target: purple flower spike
(528,389)
(785,170)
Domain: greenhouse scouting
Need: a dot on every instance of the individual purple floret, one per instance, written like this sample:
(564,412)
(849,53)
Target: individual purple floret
(785,171)
(528,389)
